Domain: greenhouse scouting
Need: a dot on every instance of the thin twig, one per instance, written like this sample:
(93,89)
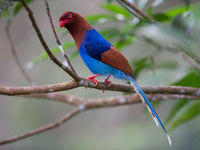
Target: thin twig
(129,4)
(56,37)
(47,127)
(188,60)
(185,56)
(197,59)
(15,55)
(85,104)
(133,13)
(45,46)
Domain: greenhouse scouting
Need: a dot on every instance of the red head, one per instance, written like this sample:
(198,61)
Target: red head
(76,25)
(65,19)
(71,19)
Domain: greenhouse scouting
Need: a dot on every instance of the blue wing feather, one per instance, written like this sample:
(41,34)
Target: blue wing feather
(95,44)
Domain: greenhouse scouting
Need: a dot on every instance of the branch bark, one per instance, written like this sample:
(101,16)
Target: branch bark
(109,101)
(56,37)
(141,13)
(101,86)
(85,104)
(184,55)
(45,46)
(47,127)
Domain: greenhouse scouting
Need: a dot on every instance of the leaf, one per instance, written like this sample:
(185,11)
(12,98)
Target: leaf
(177,10)
(100,18)
(192,80)
(110,33)
(55,50)
(196,12)
(125,41)
(139,65)
(4,13)
(74,54)
(116,9)
(146,63)
(190,111)
(5,5)
(175,109)
(168,37)
(18,7)
(109,1)
(161,17)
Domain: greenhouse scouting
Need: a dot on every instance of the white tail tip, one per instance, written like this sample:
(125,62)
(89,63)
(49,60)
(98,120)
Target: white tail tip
(153,116)
(169,140)
(156,121)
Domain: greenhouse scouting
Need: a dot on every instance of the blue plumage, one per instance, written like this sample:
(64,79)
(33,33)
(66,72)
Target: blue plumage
(149,106)
(97,67)
(91,49)
(95,44)
(102,58)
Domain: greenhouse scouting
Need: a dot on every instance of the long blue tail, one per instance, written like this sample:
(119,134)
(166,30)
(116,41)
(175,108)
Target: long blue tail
(149,106)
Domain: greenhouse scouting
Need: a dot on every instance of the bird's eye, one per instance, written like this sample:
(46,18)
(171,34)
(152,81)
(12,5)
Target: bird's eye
(68,15)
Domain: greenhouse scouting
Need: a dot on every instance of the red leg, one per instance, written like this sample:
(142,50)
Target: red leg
(93,78)
(106,80)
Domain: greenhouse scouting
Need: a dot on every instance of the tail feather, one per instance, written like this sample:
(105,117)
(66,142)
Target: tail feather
(149,106)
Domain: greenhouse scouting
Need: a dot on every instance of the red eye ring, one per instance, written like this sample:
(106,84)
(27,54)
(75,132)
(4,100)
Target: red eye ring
(69,15)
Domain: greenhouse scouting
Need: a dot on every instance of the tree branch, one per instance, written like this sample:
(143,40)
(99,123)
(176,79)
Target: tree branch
(109,101)
(85,104)
(101,86)
(45,46)
(182,54)
(188,60)
(38,89)
(133,13)
(129,4)
(56,37)
(47,127)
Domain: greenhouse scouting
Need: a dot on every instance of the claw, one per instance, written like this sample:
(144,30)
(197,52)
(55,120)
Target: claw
(108,81)
(95,81)
(93,78)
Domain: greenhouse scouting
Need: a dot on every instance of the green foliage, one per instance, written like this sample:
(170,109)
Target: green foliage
(5,5)
(100,18)
(116,9)
(185,114)
(184,110)
(18,7)
(192,80)
(55,50)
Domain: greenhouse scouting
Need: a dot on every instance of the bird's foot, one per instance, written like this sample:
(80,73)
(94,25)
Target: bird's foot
(93,78)
(106,80)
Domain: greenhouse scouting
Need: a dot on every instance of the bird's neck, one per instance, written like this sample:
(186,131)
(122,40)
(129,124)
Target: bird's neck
(78,32)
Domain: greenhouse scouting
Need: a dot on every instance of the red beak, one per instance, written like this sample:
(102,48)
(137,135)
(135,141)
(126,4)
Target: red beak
(62,23)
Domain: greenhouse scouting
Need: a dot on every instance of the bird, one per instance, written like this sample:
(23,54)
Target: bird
(102,58)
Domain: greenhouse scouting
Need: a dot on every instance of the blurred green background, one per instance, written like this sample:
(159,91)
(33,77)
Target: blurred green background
(153,50)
